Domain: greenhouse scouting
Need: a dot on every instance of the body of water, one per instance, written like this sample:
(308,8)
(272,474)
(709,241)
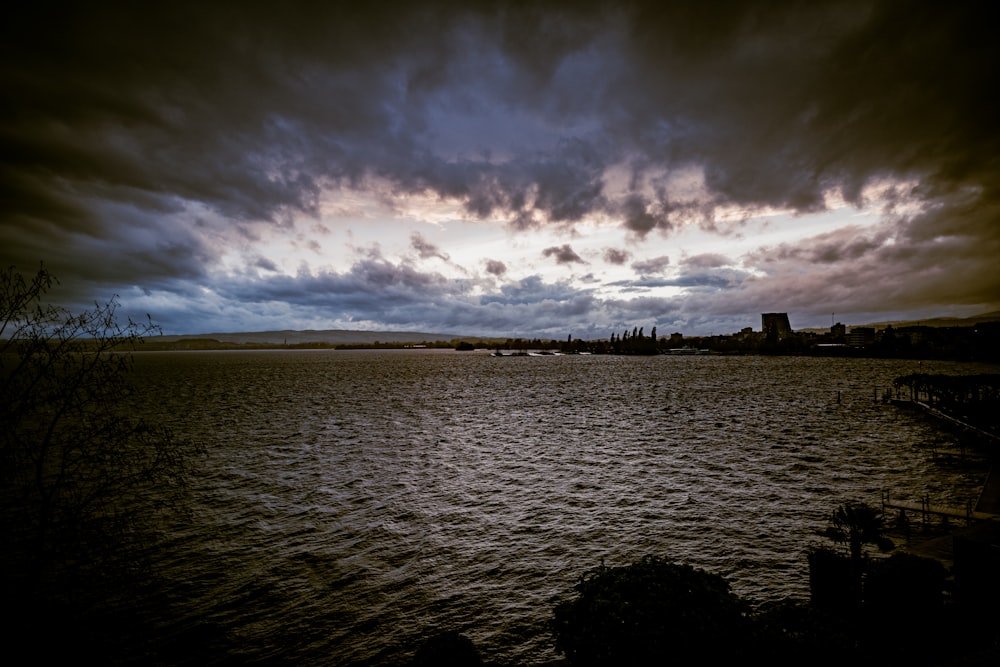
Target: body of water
(351,503)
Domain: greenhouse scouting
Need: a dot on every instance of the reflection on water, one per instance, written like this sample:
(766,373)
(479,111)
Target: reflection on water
(351,502)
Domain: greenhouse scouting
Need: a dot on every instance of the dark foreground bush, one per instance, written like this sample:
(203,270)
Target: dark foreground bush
(793,634)
(447,649)
(907,587)
(653,611)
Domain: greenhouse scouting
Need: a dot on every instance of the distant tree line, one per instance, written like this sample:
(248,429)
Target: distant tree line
(974,343)
(637,343)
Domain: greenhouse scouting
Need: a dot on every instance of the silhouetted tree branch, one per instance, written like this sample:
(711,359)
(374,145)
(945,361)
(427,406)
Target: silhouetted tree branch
(79,472)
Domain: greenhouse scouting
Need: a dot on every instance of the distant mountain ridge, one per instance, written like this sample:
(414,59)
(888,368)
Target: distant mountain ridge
(932,322)
(945,321)
(291,337)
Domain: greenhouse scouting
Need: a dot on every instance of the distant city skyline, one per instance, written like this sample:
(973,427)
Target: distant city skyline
(504,168)
(358,336)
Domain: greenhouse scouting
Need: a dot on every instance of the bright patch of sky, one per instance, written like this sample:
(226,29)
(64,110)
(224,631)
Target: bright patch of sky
(357,223)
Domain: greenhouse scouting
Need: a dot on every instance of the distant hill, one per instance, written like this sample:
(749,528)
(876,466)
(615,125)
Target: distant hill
(331,336)
(945,321)
(933,322)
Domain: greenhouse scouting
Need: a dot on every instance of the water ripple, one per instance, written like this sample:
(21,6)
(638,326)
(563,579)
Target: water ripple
(352,502)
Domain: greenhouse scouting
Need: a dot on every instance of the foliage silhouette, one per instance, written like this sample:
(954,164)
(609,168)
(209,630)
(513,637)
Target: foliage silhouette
(790,633)
(79,474)
(856,525)
(651,612)
(447,649)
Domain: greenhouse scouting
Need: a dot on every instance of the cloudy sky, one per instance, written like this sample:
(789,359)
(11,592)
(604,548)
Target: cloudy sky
(504,168)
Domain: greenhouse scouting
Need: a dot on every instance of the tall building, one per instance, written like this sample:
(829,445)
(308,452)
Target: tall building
(775,326)
(861,337)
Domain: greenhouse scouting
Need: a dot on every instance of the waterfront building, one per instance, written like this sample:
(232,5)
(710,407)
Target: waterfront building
(775,326)
(861,337)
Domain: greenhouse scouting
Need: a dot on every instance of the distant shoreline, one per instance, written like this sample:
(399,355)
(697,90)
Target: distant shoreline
(154,345)
(977,342)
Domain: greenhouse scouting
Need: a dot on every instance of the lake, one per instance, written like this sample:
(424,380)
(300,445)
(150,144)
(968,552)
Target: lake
(353,502)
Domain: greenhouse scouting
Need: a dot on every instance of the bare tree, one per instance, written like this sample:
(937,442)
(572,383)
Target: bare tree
(80,473)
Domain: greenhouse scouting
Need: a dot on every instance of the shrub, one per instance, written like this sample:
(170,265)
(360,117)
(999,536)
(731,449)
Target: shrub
(650,612)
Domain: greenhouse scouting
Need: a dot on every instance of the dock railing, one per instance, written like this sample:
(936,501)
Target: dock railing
(926,509)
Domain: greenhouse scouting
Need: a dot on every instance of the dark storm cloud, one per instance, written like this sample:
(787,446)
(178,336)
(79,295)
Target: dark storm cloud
(701,281)
(373,288)
(495,267)
(137,131)
(563,254)
(425,249)
(265,264)
(715,279)
(652,265)
(845,244)
(641,217)
(860,270)
(142,251)
(706,261)
(251,109)
(534,290)
(784,100)
(398,296)
(616,256)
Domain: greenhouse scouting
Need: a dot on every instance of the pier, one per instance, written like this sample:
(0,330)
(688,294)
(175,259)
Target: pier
(934,395)
(938,414)
(970,403)
(926,509)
